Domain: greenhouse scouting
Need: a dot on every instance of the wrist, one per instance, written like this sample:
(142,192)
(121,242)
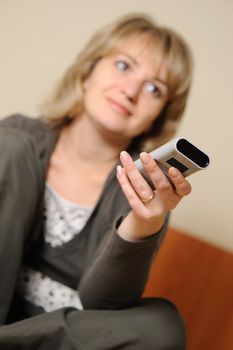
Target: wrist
(134,228)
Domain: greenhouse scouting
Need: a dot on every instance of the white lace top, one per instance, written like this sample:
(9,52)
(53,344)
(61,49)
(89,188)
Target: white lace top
(63,220)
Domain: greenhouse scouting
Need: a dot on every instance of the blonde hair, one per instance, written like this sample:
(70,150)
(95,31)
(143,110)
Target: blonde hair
(66,101)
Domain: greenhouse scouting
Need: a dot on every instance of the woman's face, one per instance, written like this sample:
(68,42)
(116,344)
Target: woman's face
(127,90)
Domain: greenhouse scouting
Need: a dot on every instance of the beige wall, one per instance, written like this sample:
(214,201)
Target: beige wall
(39,38)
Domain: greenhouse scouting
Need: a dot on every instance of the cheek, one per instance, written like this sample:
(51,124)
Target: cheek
(93,77)
(93,94)
(90,88)
(150,109)
(97,83)
(88,83)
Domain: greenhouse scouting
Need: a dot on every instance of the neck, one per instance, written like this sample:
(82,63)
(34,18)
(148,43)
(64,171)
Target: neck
(81,140)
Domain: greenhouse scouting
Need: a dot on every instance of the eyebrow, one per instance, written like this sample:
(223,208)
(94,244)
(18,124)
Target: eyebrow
(136,63)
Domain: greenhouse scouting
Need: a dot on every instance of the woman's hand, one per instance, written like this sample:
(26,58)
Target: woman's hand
(149,208)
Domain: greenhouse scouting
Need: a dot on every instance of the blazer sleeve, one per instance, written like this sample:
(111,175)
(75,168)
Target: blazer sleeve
(117,276)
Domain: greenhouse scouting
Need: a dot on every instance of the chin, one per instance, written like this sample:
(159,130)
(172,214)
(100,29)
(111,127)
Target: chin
(113,123)
(114,131)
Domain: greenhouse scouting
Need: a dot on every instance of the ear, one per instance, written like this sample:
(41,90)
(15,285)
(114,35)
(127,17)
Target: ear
(85,84)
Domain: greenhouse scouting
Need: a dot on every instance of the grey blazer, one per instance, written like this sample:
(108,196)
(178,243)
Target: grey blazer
(109,272)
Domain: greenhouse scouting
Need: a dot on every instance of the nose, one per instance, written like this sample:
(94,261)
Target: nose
(131,89)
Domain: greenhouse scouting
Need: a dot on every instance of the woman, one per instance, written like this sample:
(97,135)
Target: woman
(89,225)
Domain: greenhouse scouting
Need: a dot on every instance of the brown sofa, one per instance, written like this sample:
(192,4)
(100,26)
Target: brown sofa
(198,278)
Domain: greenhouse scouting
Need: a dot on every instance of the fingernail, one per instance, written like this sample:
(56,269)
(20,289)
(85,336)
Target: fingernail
(119,169)
(125,156)
(145,157)
(174,172)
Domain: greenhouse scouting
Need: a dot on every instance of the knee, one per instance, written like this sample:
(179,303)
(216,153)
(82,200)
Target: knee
(165,328)
(154,324)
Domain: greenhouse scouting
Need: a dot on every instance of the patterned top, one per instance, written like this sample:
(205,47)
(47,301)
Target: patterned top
(63,220)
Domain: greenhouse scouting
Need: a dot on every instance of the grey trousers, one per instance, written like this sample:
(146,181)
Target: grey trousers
(153,324)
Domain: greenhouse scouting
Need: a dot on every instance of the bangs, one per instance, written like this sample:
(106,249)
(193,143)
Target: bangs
(144,40)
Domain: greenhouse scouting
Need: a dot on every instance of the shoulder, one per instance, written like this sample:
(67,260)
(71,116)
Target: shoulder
(44,136)
(22,122)
(35,127)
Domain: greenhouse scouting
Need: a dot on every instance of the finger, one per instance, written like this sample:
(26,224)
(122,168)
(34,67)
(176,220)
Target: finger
(134,200)
(138,182)
(157,176)
(164,189)
(182,186)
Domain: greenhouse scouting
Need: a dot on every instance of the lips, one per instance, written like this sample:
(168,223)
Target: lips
(120,108)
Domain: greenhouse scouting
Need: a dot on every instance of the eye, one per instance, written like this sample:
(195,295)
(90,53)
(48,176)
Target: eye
(122,65)
(153,89)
